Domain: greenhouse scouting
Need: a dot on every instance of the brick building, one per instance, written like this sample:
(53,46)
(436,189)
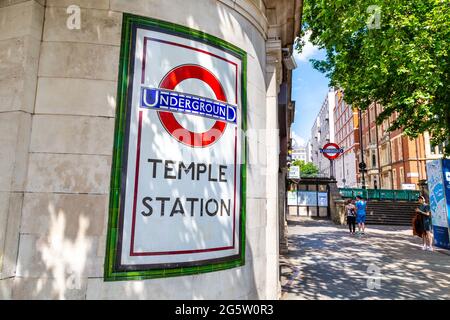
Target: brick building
(394,161)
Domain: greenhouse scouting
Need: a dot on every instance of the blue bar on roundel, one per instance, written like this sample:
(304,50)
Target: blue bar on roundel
(168,100)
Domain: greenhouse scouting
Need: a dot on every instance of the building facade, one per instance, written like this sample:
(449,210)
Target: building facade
(58,101)
(309,150)
(393,160)
(346,132)
(322,133)
(299,153)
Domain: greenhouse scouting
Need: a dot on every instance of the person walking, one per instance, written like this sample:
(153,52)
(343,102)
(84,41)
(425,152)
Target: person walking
(350,211)
(361,205)
(425,215)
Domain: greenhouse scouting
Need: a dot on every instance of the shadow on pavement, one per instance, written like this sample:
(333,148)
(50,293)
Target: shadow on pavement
(326,262)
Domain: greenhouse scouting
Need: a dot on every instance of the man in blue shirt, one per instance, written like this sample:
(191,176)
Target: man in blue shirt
(360,214)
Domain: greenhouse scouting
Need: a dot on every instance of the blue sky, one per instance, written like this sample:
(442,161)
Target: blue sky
(309,89)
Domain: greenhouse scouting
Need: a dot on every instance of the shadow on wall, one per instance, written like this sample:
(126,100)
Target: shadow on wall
(66,261)
(64,246)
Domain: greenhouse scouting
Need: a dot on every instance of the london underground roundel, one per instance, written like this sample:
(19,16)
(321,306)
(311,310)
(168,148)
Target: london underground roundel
(331,150)
(170,81)
(177,202)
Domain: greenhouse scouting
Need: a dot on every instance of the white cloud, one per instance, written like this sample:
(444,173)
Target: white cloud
(297,140)
(308,51)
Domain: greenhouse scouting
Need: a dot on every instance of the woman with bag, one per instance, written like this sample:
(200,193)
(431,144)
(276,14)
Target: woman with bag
(350,211)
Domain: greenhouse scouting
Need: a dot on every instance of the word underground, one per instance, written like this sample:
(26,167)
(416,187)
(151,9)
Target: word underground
(153,98)
(173,170)
(331,150)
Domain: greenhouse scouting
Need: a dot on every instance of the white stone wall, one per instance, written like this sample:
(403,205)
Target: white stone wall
(19,56)
(57,109)
(323,129)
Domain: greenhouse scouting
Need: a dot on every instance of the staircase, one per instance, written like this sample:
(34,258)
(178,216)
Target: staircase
(396,213)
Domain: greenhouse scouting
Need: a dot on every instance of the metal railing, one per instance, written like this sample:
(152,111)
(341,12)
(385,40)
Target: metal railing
(380,194)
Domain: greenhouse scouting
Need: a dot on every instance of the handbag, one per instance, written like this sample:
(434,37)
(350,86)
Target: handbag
(418,228)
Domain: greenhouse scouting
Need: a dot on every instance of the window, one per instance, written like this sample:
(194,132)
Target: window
(437,149)
(374,160)
(384,155)
(394,177)
(402,175)
(400,149)
(394,150)
(385,126)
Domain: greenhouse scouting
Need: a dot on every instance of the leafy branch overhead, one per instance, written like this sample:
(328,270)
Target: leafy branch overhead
(393,52)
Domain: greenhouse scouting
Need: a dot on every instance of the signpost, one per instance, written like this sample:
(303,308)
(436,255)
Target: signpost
(178,179)
(331,151)
(408,186)
(294,172)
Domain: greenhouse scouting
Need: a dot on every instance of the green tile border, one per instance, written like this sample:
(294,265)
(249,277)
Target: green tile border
(110,271)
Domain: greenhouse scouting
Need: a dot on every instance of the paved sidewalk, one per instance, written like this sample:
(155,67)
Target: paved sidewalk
(326,262)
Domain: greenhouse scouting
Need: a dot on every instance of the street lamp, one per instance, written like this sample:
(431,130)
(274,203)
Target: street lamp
(362,165)
(343,167)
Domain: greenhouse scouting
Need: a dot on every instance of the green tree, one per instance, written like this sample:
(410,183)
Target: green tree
(306,168)
(393,52)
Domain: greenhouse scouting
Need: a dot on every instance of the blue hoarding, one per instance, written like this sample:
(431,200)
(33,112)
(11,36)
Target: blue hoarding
(446,180)
(439,188)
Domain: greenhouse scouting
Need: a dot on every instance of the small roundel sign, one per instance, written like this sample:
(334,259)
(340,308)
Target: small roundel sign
(331,150)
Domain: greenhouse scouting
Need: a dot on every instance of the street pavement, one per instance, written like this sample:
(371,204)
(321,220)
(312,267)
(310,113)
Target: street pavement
(326,262)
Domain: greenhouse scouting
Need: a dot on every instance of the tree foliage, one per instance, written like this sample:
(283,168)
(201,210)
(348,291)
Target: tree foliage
(306,168)
(393,52)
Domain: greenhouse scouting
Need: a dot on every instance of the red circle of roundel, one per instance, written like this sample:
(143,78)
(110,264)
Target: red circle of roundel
(331,156)
(173,127)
